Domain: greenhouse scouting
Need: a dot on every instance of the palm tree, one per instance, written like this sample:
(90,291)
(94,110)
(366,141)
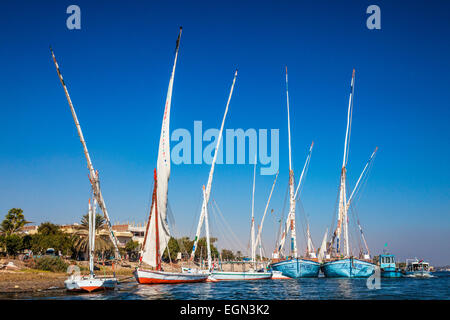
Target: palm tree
(102,242)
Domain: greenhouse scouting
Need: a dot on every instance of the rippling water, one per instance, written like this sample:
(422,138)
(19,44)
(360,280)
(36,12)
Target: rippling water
(319,288)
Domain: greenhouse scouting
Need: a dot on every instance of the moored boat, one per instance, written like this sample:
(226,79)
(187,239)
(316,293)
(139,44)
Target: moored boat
(388,267)
(157,233)
(339,260)
(348,268)
(90,284)
(297,268)
(239,276)
(144,276)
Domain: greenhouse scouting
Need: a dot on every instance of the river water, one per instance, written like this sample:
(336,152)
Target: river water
(434,288)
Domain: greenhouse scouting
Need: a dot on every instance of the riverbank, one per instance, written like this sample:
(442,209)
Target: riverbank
(22,279)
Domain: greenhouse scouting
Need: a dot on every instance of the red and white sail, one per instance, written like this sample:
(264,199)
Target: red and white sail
(152,250)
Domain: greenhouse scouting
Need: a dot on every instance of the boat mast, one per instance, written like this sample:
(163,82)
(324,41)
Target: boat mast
(158,260)
(91,219)
(211,173)
(93,175)
(342,214)
(208,240)
(291,182)
(253,219)
(288,220)
(258,237)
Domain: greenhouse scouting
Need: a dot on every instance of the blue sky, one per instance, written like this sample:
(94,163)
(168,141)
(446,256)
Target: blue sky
(117,69)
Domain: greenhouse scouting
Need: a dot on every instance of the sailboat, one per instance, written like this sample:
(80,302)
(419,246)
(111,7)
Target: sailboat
(251,274)
(295,266)
(339,262)
(206,194)
(93,174)
(90,283)
(157,231)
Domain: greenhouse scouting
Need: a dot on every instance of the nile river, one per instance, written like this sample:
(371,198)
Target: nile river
(434,288)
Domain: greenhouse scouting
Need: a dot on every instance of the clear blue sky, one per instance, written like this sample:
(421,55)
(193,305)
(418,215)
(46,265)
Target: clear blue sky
(117,70)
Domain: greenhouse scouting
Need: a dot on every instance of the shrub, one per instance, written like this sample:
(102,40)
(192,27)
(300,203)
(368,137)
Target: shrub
(54,264)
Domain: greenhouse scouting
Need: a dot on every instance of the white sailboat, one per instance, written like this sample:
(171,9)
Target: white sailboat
(93,174)
(90,283)
(157,232)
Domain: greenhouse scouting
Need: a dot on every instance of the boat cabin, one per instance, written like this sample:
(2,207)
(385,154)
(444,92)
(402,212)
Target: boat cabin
(417,266)
(387,260)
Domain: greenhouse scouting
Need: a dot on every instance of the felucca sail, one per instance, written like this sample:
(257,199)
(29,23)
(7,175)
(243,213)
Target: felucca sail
(154,247)
(93,175)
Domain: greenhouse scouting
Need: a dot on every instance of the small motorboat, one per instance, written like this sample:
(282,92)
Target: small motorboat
(417,269)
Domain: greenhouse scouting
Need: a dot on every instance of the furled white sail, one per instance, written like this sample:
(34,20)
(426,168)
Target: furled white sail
(211,173)
(150,254)
(323,247)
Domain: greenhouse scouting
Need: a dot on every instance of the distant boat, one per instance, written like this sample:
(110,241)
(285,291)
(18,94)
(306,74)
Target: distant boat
(294,266)
(417,269)
(388,266)
(157,232)
(339,262)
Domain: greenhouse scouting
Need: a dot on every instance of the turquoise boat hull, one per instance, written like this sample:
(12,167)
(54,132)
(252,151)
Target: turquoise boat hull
(390,273)
(348,268)
(297,268)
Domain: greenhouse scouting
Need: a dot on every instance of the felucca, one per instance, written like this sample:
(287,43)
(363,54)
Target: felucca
(91,283)
(294,266)
(339,261)
(157,231)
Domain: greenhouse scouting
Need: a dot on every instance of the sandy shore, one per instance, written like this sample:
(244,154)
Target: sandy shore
(25,279)
(31,280)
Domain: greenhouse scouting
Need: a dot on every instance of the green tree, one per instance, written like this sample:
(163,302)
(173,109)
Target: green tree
(132,249)
(13,244)
(14,222)
(173,247)
(201,250)
(227,254)
(49,235)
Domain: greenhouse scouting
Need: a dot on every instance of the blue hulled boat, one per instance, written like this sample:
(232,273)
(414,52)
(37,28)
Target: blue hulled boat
(297,268)
(388,267)
(339,261)
(348,268)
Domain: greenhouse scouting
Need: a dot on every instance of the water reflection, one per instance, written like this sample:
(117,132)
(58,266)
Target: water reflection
(321,288)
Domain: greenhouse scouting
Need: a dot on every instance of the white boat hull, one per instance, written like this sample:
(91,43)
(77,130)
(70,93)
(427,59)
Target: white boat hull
(278,275)
(238,276)
(90,284)
(161,277)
